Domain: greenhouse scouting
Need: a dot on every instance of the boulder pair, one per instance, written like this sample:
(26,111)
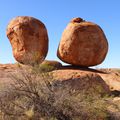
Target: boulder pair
(82,43)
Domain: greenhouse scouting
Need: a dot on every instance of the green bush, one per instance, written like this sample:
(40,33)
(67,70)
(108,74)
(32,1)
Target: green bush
(39,68)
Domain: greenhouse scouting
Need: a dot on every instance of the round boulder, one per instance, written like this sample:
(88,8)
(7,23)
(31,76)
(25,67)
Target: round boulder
(82,44)
(29,39)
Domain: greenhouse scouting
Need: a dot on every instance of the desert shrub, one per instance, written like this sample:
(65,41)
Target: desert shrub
(37,96)
(39,68)
(114,108)
(118,70)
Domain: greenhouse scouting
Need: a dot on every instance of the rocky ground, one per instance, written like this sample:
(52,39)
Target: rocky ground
(77,77)
(110,77)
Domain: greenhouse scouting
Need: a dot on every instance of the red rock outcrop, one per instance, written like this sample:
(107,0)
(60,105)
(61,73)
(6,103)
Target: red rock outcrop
(81,79)
(29,39)
(82,44)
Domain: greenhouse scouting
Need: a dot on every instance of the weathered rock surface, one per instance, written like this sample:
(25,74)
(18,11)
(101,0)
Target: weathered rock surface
(82,44)
(82,78)
(29,39)
(112,79)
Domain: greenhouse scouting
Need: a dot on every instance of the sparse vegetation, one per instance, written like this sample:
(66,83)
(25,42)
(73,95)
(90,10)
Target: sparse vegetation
(37,96)
(42,68)
(118,70)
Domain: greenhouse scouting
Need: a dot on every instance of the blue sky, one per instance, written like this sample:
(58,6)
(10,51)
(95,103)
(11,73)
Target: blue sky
(56,14)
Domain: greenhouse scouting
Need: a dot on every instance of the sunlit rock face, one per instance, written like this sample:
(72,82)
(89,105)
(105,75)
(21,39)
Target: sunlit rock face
(83,44)
(29,39)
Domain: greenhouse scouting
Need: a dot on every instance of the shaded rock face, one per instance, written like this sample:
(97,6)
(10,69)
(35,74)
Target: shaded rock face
(29,39)
(81,80)
(82,44)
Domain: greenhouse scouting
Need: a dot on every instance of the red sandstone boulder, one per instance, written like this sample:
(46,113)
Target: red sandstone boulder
(29,39)
(82,44)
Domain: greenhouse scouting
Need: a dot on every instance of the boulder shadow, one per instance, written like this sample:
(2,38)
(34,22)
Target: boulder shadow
(73,67)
